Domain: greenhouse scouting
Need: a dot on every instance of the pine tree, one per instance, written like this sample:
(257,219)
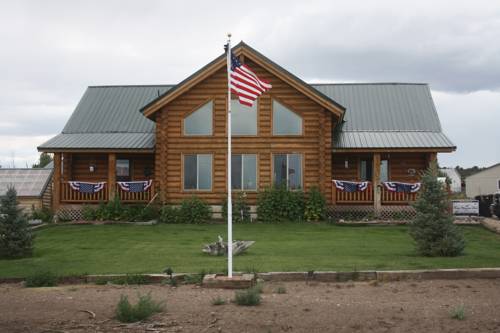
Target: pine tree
(433,229)
(16,239)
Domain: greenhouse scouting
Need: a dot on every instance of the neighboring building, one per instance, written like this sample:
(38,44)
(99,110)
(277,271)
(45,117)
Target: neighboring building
(300,134)
(33,186)
(484,182)
(456,180)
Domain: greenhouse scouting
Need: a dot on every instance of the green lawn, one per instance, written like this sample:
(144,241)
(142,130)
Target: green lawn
(282,247)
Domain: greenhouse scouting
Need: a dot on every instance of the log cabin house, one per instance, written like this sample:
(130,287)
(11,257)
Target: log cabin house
(299,134)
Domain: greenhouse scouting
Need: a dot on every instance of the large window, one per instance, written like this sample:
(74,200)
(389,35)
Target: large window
(198,172)
(288,170)
(199,122)
(122,170)
(243,118)
(285,121)
(244,172)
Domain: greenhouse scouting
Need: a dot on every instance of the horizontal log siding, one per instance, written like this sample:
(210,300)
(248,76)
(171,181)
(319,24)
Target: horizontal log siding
(171,144)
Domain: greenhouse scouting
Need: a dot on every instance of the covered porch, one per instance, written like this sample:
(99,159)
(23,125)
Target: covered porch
(105,169)
(376,168)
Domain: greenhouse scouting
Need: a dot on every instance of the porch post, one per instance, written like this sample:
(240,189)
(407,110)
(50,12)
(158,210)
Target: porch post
(377,200)
(111,176)
(56,190)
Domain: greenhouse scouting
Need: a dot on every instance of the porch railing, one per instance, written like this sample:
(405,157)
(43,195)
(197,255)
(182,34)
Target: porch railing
(70,195)
(396,198)
(365,197)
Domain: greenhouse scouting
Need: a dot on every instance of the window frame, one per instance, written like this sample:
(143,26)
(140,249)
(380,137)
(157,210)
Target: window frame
(498,184)
(124,178)
(257,110)
(183,173)
(299,114)
(242,173)
(302,166)
(199,106)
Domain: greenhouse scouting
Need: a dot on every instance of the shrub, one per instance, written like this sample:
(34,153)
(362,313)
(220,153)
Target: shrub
(458,312)
(16,238)
(315,206)
(278,205)
(194,210)
(143,309)
(89,213)
(248,297)
(45,214)
(218,301)
(134,213)
(41,279)
(169,214)
(241,209)
(433,229)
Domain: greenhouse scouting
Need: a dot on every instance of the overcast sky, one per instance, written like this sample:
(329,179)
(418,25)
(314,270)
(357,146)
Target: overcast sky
(50,51)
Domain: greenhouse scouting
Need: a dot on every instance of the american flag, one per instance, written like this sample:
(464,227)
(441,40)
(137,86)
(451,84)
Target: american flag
(245,83)
(134,187)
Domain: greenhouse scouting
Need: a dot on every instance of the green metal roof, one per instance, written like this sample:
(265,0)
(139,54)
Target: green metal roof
(378,115)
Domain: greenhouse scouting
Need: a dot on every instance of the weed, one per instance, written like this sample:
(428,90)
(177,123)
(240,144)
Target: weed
(143,309)
(248,297)
(458,312)
(41,279)
(280,290)
(218,301)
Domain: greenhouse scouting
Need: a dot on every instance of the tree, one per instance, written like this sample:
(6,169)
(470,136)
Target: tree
(43,160)
(16,239)
(433,229)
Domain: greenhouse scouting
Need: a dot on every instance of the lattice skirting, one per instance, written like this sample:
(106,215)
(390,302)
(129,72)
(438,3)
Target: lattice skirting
(367,213)
(70,213)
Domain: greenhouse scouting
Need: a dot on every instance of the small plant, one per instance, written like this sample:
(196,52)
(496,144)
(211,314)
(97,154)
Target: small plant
(458,312)
(169,214)
(259,287)
(89,213)
(143,309)
(193,210)
(193,279)
(44,214)
(280,290)
(218,301)
(315,206)
(41,279)
(241,209)
(248,297)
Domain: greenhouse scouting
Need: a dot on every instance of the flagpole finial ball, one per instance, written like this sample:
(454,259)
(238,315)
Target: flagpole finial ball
(229,35)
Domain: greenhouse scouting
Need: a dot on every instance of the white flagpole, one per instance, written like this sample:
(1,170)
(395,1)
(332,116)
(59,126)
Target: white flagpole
(229,187)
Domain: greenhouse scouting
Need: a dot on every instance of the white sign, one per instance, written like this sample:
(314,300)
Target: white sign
(465,207)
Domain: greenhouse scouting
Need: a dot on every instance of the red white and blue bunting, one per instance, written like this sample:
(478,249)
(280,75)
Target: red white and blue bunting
(90,188)
(138,186)
(402,187)
(348,186)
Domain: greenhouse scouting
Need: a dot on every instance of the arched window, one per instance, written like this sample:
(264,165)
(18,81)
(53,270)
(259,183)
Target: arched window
(285,121)
(199,122)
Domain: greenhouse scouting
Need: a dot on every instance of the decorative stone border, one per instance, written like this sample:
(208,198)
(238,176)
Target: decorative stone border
(325,276)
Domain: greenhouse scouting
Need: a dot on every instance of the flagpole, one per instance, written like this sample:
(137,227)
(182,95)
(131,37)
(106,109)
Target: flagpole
(229,187)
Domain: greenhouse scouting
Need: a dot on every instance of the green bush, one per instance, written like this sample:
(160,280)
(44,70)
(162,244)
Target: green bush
(193,210)
(136,213)
(143,309)
(41,279)
(248,297)
(241,209)
(277,204)
(315,206)
(89,213)
(170,214)
(45,214)
(432,229)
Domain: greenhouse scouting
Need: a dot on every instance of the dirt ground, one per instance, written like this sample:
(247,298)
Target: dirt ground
(313,307)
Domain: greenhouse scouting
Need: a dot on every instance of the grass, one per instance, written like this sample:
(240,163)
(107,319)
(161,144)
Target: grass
(119,249)
(248,297)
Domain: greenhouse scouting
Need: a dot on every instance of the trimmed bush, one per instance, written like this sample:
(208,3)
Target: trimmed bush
(143,309)
(89,213)
(433,229)
(277,204)
(315,206)
(45,214)
(41,279)
(193,210)
(241,210)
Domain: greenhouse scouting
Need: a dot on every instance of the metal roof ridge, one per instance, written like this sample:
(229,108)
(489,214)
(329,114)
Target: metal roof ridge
(131,85)
(368,83)
(394,131)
